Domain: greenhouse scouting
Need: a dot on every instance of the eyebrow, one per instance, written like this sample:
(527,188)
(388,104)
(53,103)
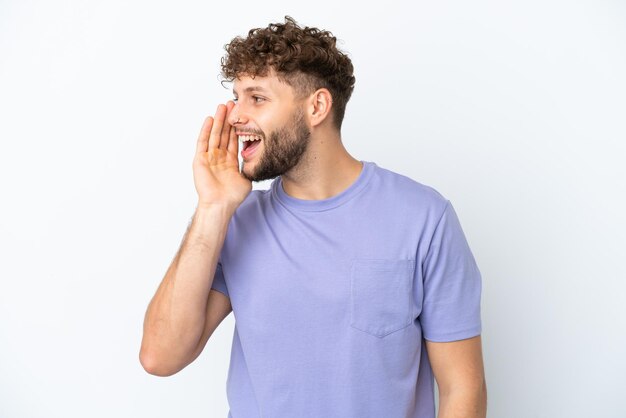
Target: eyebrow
(253,88)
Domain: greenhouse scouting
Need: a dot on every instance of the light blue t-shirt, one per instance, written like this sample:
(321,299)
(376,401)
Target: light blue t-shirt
(332,299)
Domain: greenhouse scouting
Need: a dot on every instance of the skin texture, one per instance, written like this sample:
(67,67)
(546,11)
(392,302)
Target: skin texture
(215,164)
(283,148)
(460,376)
(184,311)
(267,105)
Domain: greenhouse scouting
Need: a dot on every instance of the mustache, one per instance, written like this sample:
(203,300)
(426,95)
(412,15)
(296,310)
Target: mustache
(251,131)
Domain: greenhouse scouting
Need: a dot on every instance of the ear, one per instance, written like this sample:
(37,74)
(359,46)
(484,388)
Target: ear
(318,106)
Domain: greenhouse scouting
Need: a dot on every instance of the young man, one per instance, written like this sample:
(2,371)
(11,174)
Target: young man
(352,286)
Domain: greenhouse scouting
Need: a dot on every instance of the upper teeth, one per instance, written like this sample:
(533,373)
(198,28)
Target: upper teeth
(244,138)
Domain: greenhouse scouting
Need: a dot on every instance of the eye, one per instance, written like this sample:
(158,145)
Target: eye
(257,99)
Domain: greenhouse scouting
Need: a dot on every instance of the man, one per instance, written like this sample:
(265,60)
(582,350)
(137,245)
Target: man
(352,286)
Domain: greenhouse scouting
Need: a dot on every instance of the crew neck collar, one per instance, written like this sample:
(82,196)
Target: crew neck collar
(324,204)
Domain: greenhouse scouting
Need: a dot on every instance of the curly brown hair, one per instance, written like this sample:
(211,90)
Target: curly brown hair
(305,58)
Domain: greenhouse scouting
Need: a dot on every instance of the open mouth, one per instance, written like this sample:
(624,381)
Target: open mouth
(250,143)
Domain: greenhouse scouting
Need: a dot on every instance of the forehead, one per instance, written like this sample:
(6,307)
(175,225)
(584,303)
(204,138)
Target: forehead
(269,84)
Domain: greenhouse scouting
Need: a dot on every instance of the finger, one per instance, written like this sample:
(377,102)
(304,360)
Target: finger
(233,143)
(216,130)
(203,138)
(229,106)
(226,127)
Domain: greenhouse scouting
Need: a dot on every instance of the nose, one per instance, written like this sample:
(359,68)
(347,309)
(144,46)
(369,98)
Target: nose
(236,117)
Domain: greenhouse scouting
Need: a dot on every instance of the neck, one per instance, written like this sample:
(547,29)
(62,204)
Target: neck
(325,170)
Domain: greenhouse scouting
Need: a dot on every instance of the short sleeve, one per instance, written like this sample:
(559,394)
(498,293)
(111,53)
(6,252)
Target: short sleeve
(219,283)
(452,284)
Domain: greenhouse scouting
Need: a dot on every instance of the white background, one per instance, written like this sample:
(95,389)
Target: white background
(515,111)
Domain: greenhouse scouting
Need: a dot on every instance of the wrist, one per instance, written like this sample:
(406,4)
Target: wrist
(215,208)
(213,212)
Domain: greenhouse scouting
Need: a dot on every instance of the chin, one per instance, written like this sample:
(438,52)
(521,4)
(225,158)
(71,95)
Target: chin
(248,171)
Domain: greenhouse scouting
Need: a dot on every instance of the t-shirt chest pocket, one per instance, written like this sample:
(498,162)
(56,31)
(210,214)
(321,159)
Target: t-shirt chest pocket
(381,295)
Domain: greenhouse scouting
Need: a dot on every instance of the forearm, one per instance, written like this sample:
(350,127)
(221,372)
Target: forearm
(469,403)
(175,317)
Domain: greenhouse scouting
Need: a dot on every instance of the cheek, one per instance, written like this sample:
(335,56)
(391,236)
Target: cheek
(265,126)
(270,119)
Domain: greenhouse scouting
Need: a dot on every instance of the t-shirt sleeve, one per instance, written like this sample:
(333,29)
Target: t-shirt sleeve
(219,283)
(451,284)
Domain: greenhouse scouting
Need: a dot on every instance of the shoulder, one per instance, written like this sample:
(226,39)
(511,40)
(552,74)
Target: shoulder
(408,193)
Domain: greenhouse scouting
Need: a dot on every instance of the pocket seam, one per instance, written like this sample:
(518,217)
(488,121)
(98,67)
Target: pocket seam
(379,265)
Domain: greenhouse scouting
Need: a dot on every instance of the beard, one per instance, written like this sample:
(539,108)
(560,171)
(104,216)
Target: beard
(283,149)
